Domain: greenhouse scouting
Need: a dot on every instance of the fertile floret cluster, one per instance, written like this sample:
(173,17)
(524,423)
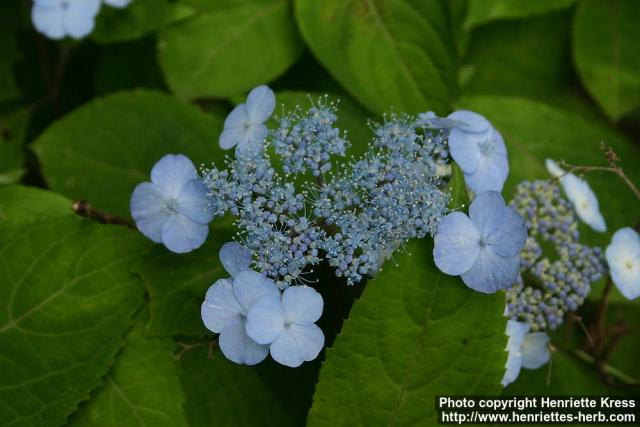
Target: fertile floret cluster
(553,285)
(367,208)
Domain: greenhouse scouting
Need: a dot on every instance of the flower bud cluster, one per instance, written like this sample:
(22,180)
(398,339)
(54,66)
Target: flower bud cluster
(558,282)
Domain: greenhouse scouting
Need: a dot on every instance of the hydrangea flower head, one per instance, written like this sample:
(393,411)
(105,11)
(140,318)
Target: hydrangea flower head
(173,208)
(244,127)
(57,19)
(525,350)
(479,150)
(623,257)
(225,309)
(484,247)
(580,195)
(287,325)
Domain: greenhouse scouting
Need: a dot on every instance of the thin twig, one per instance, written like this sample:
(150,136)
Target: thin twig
(614,167)
(84,209)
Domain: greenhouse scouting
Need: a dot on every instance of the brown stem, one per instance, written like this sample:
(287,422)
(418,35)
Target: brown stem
(614,167)
(84,209)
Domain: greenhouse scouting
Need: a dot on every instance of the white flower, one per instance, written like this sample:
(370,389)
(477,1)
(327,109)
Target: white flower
(526,350)
(244,127)
(623,257)
(581,196)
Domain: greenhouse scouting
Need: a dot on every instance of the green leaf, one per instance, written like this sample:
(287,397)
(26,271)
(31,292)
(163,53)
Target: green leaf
(137,19)
(541,69)
(606,37)
(534,131)
(68,295)
(483,11)
(457,188)
(177,284)
(19,204)
(12,135)
(142,389)
(229,47)
(415,333)
(102,150)
(388,54)
(221,393)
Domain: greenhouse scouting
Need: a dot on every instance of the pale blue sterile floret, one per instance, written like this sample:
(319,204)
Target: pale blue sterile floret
(174,208)
(287,325)
(225,309)
(57,19)
(244,127)
(623,257)
(478,148)
(525,350)
(484,247)
(581,196)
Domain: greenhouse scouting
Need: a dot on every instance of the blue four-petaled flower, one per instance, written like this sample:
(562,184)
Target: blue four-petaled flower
(173,208)
(244,127)
(484,247)
(478,148)
(287,325)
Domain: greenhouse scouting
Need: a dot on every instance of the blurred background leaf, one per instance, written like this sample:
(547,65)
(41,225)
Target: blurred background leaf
(229,47)
(389,54)
(13,127)
(606,36)
(484,11)
(137,19)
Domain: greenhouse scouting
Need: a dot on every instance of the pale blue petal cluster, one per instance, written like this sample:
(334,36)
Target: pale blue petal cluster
(483,248)
(253,317)
(244,127)
(57,19)
(173,208)
(478,148)
(623,257)
(225,309)
(287,325)
(525,350)
(581,196)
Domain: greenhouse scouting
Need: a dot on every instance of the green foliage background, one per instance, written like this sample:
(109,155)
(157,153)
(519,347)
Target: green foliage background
(100,327)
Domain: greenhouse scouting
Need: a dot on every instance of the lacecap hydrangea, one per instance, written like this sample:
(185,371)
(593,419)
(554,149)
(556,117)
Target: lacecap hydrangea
(315,204)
